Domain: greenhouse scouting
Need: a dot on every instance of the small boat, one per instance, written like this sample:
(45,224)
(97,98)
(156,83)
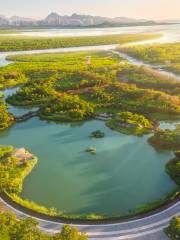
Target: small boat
(91,150)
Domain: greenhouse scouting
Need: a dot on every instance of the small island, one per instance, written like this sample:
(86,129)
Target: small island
(97,134)
(166,139)
(130,123)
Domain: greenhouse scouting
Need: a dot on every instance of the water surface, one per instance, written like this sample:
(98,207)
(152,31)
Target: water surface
(171,32)
(125,173)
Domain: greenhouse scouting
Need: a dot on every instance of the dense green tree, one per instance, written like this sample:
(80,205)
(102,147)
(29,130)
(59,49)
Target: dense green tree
(6,119)
(173,168)
(68,107)
(167,55)
(25,229)
(173,231)
(28,229)
(7,220)
(68,233)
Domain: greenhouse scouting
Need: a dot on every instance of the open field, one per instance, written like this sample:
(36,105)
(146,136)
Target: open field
(18,43)
(165,55)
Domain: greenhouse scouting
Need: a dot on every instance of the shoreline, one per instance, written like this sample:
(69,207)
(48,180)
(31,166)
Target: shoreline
(111,220)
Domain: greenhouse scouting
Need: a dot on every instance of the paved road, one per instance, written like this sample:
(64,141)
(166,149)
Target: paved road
(147,228)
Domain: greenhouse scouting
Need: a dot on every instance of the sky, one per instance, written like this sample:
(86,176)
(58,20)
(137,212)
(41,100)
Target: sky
(148,9)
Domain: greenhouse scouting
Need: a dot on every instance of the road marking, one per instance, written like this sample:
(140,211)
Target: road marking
(96,225)
(131,236)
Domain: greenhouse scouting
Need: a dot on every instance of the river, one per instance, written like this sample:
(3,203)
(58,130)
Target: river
(171,32)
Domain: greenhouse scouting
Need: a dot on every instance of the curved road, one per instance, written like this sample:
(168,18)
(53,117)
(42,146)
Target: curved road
(146,228)
(150,227)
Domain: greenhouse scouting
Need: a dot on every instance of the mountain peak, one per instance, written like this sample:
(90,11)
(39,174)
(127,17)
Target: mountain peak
(75,20)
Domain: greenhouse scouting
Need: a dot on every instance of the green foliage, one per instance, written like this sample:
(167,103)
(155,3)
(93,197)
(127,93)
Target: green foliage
(49,76)
(12,170)
(17,43)
(173,168)
(129,123)
(127,97)
(10,76)
(173,231)
(25,229)
(167,55)
(68,233)
(67,108)
(69,73)
(33,206)
(28,229)
(6,119)
(147,78)
(5,153)
(166,139)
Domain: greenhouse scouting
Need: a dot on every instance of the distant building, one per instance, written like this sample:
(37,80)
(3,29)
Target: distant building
(104,116)
(22,154)
(88,60)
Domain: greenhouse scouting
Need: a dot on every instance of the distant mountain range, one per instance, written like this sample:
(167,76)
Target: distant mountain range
(75,20)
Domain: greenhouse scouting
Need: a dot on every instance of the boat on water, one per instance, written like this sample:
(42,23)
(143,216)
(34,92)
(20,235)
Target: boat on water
(91,150)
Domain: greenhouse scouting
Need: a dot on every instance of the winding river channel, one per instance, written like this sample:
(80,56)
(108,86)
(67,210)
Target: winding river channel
(126,173)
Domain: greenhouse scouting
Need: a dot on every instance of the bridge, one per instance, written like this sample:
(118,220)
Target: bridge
(26,116)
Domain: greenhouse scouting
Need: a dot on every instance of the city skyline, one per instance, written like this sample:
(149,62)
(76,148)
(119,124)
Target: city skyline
(115,8)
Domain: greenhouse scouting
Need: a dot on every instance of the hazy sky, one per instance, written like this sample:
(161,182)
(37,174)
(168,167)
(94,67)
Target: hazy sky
(150,9)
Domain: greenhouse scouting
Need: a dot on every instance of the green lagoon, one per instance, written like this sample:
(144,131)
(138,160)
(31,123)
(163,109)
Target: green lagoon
(125,173)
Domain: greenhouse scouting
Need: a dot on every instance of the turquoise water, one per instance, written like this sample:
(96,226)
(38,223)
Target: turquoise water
(15,110)
(125,173)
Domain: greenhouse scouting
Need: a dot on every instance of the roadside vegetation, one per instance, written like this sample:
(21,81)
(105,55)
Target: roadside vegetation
(166,55)
(173,169)
(18,43)
(12,228)
(173,231)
